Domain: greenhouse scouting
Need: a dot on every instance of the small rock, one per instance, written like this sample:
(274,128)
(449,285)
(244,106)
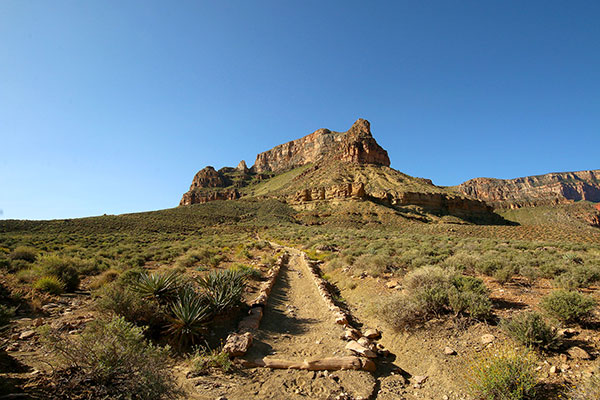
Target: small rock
(392,284)
(562,358)
(355,347)
(372,334)
(449,351)
(26,335)
(351,334)
(565,367)
(487,339)
(553,369)
(237,344)
(420,379)
(578,353)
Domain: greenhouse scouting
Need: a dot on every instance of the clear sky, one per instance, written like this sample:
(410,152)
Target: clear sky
(113,106)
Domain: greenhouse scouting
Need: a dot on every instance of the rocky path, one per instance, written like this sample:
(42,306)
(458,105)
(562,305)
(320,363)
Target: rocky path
(297,325)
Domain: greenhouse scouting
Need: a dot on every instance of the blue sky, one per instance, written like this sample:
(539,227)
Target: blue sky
(113,106)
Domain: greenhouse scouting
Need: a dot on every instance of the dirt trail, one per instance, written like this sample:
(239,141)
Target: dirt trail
(297,325)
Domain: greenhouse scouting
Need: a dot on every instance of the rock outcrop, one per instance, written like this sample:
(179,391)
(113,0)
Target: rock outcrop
(356,145)
(549,189)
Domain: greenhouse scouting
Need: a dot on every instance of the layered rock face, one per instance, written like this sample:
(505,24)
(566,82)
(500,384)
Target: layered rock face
(209,178)
(549,189)
(355,145)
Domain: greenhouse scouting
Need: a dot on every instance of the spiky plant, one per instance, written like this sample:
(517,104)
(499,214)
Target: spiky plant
(189,314)
(162,287)
(223,288)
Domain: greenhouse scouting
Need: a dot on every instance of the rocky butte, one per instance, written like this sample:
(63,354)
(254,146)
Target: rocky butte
(326,167)
(531,191)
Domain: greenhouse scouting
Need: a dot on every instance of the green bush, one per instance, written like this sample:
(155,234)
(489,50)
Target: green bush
(50,284)
(162,287)
(62,268)
(24,253)
(122,301)
(224,289)
(503,374)
(577,277)
(204,359)
(247,270)
(113,360)
(568,306)
(188,317)
(434,291)
(530,329)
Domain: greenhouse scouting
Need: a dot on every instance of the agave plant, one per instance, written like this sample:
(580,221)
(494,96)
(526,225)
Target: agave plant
(189,314)
(162,287)
(223,288)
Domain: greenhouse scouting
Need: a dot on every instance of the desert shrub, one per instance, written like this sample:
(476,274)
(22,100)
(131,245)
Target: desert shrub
(579,276)
(113,358)
(488,266)
(373,264)
(503,374)
(107,276)
(505,274)
(568,306)
(224,289)
(530,329)
(24,253)
(160,286)
(530,272)
(573,258)
(460,262)
(6,313)
(49,284)
(247,270)
(62,268)
(188,317)
(204,358)
(122,301)
(434,291)
(19,265)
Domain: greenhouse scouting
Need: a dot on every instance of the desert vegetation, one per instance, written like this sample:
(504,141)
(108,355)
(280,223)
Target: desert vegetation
(171,285)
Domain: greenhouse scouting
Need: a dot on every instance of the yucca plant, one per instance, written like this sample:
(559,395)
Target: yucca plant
(223,288)
(162,287)
(189,314)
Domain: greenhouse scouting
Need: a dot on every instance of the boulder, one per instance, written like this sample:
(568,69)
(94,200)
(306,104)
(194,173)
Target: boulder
(238,344)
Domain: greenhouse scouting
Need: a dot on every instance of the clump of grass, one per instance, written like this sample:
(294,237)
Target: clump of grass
(106,277)
(25,253)
(112,359)
(568,306)
(503,374)
(205,358)
(530,329)
(247,270)
(61,267)
(49,284)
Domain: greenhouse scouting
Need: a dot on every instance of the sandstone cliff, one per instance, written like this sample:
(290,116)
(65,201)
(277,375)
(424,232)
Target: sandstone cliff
(549,189)
(326,167)
(356,145)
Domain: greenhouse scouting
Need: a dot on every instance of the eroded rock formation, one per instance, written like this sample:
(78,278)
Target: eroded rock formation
(355,145)
(549,189)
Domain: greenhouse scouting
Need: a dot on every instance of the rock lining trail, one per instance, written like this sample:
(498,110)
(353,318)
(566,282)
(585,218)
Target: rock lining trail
(298,325)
